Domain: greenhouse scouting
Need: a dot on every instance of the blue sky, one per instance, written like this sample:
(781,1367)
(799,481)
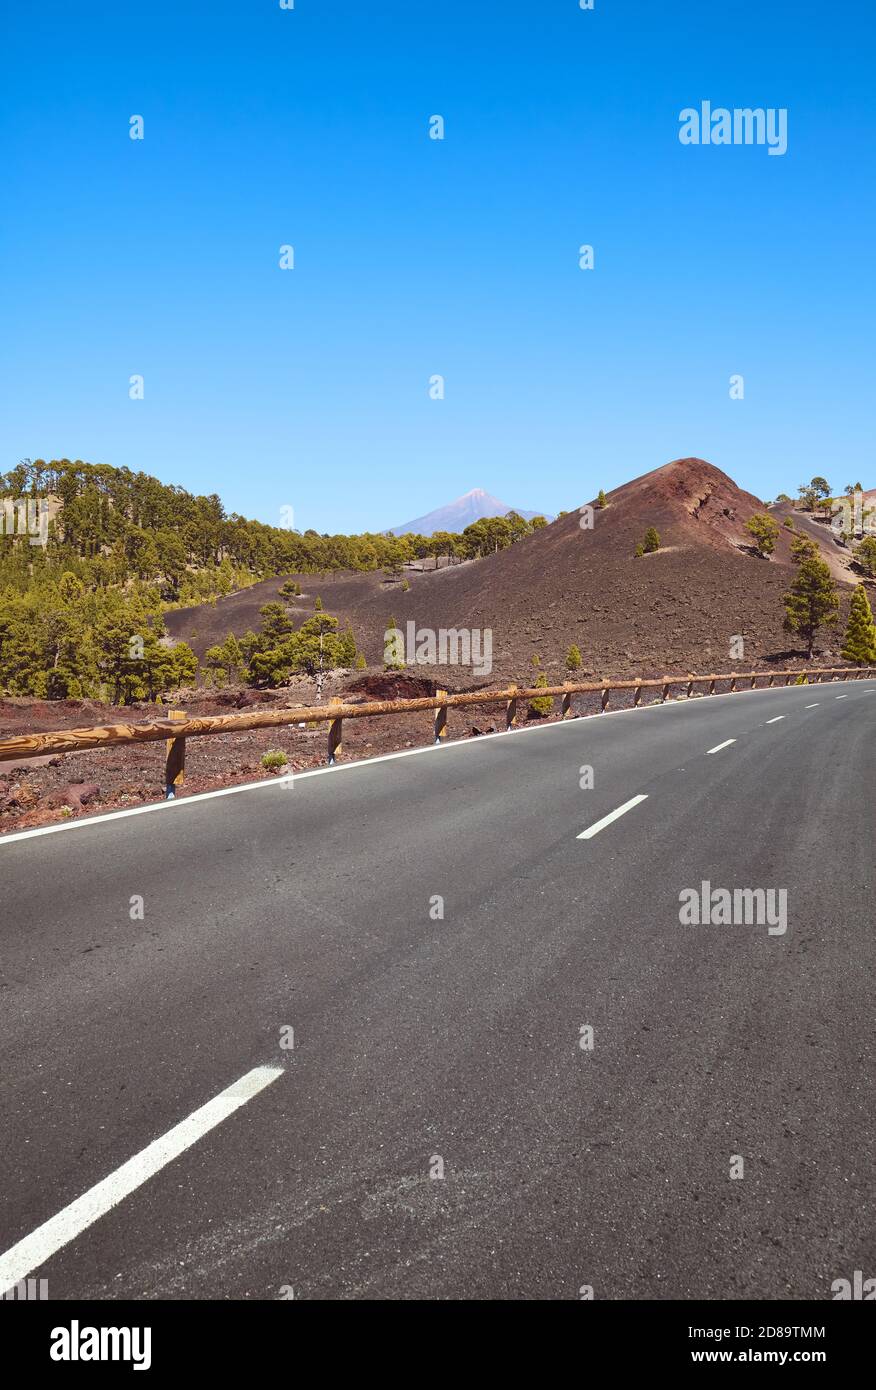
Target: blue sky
(309,388)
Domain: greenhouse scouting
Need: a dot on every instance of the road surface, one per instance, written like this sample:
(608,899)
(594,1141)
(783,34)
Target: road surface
(163,1139)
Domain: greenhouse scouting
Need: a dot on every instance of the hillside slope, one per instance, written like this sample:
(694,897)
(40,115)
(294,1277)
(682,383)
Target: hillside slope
(674,610)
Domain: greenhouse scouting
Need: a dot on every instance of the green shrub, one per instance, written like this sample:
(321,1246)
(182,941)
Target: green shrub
(543,704)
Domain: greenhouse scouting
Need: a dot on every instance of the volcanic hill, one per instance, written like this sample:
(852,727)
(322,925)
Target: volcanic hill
(672,611)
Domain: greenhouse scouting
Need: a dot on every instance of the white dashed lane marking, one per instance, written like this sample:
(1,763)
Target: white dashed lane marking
(718,746)
(48,1239)
(612,816)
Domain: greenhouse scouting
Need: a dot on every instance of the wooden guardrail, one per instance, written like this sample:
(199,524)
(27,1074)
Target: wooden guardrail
(179,726)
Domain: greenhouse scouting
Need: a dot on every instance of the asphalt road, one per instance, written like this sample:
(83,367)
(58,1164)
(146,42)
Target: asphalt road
(424,1044)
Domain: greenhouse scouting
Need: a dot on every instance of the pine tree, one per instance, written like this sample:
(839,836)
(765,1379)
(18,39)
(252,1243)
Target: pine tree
(181,667)
(600,500)
(541,705)
(811,602)
(393,648)
(215,670)
(865,554)
(803,548)
(573,658)
(275,623)
(859,644)
(233,657)
(345,654)
(224,663)
(764,529)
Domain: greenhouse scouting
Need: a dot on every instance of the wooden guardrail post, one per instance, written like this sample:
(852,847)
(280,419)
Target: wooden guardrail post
(440,717)
(712,685)
(733,685)
(637,694)
(666,684)
(567,705)
(753,681)
(605,694)
(175,761)
(690,686)
(335,734)
(511,710)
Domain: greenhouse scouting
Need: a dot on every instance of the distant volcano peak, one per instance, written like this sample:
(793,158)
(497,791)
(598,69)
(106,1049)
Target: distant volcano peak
(470,507)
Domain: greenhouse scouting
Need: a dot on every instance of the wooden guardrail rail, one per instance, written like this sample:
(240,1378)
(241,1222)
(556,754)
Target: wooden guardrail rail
(180,727)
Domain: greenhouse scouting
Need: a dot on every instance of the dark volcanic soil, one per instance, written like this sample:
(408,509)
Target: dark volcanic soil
(672,611)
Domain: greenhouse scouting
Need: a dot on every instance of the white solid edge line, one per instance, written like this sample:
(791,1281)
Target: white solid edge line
(33,1251)
(815,706)
(612,815)
(840,697)
(267,782)
(776,720)
(718,746)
